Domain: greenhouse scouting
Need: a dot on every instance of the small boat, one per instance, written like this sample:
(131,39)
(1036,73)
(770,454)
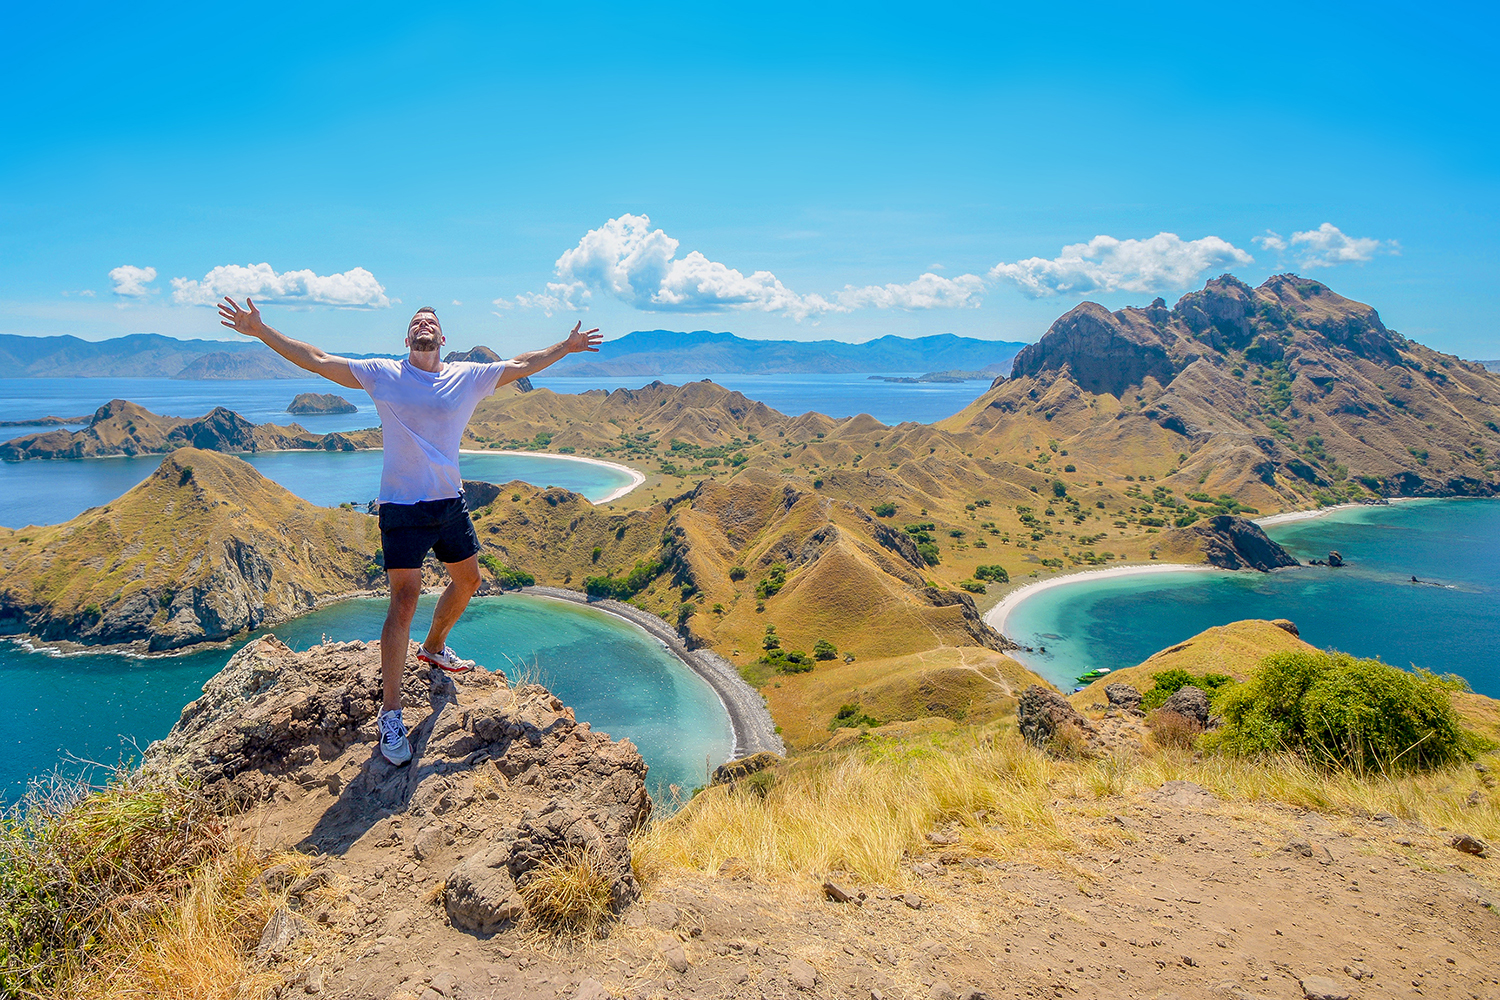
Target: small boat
(1092,675)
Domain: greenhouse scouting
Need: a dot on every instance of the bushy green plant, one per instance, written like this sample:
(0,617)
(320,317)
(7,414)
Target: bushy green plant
(737,573)
(508,577)
(852,717)
(994,574)
(771,584)
(1169,682)
(824,650)
(625,587)
(1342,712)
(972,586)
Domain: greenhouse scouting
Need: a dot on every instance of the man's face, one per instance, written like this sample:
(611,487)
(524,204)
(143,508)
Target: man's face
(424,333)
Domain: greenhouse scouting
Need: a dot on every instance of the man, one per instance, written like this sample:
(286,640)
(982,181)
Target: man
(424,405)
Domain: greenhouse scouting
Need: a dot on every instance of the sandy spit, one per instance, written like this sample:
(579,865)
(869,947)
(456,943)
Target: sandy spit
(997,615)
(636,478)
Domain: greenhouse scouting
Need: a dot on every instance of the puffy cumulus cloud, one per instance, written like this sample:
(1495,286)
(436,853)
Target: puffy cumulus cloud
(131,282)
(352,289)
(1105,264)
(626,259)
(930,291)
(1327,246)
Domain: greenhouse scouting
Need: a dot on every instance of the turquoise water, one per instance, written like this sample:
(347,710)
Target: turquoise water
(1448,622)
(54,490)
(57,712)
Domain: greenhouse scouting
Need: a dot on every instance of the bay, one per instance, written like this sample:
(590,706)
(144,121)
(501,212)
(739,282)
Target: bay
(1447,622)
(63,712)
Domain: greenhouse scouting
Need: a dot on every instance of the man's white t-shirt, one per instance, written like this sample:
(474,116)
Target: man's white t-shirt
(422,420)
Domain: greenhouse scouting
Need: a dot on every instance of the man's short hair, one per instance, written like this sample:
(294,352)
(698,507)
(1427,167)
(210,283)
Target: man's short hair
(424,309)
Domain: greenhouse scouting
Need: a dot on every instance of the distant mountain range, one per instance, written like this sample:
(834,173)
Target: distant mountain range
(661,352)
(645,352)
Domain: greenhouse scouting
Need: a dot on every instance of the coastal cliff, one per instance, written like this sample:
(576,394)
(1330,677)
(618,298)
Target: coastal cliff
(120,427)
(205,548)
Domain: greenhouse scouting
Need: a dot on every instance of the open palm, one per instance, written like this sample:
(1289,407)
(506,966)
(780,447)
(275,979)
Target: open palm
(240,320)
(580,339)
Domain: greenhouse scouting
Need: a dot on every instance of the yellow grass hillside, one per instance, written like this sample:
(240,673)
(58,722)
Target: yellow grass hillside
(202,549)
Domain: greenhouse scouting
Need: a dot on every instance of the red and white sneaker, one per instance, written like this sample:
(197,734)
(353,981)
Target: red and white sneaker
(447,659)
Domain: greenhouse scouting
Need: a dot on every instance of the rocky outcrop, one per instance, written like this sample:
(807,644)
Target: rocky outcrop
(1232,542)
(1122,695)
(120,427)
(320,403)
(1042,714)
(503,780)
(1190,702)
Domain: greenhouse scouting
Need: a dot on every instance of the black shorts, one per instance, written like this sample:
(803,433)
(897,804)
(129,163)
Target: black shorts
(409,530)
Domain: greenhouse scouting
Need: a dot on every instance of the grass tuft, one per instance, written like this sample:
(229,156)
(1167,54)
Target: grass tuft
(570,894)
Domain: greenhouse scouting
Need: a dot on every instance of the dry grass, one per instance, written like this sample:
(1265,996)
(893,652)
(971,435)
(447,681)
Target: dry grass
(569,895)
(863,810)
(196,947)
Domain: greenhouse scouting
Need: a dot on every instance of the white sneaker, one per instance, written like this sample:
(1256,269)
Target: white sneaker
(447,659)
(394,745)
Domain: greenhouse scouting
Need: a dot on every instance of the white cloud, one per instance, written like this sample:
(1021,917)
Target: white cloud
(1105,264)
(1328,245)
(352,289)
(457,303)
(1270,241)
(627,259)
(930,291)
(131,281)
(86,293)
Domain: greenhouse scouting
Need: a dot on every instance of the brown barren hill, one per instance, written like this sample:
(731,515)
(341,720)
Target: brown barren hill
(205,548)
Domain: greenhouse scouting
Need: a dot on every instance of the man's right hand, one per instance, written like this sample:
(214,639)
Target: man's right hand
(240,320)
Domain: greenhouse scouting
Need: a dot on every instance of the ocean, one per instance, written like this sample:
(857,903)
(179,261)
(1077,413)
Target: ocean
(1447,622)
(89,712)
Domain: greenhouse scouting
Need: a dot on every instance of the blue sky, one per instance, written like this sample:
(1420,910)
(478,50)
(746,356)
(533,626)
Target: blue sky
(808,171)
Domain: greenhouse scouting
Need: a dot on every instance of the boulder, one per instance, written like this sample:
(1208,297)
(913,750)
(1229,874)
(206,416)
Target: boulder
(737,770)
(480,895)
(1190,702)
(1286,626)
(1335,559)
(1040,713)
(1122,695)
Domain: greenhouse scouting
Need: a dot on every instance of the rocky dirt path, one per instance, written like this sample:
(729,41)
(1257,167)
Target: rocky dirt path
(1178,896)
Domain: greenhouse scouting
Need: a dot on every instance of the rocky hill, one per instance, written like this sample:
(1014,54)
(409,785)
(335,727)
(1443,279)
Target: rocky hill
(1262,393)
(205,548)
(138,355)
(261,363)
(320,402)
(120,427)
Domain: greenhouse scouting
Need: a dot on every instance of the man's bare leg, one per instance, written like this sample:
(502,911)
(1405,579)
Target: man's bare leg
(463,581)
(406,587)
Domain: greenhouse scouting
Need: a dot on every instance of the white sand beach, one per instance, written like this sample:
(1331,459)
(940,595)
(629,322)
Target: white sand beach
(1307,515)
(636,478)
(997,615)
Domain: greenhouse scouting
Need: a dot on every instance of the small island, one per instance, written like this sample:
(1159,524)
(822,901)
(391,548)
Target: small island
(320,402)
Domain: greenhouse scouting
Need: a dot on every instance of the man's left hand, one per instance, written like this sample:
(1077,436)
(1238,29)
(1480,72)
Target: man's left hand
(583,340)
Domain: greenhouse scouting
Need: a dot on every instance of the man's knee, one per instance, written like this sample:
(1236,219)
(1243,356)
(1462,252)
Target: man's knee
(406,590)
(465,575)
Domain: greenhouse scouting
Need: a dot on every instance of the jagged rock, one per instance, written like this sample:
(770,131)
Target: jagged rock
(1470,844)
(1122,695)
(737,770)
(480,894)
(1232,542)
(282,930)
(802,974)
(1190,702)
(510,760)
(1040,713)
(1335,559)
(1323,988)
(1286,626)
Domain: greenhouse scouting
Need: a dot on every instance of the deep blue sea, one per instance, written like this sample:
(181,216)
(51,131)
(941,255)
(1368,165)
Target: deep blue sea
(1448,622)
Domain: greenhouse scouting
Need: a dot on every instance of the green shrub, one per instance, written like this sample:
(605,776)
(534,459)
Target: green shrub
(788,662)
(594,556)
(850,717)
(824,650)
(1169,682)
(1059,488)
(972,586)
(626,587)
(994,574)
(929,553)
(884,510)
(771,584)
(508,577)
(738,573)
(1342,712)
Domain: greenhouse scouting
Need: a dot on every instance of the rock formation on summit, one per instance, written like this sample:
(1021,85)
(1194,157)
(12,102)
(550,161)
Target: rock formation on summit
(320,402)
(503,779)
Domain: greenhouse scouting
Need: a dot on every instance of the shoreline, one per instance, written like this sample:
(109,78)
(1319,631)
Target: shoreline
(750,725)
(1288,517)
(997,616)
(636,478)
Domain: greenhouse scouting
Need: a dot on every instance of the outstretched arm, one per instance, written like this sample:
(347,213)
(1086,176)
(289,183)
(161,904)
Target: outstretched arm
(534,361)
(314,359)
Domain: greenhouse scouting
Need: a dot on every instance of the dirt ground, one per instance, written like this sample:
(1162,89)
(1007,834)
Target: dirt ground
(1178,895)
